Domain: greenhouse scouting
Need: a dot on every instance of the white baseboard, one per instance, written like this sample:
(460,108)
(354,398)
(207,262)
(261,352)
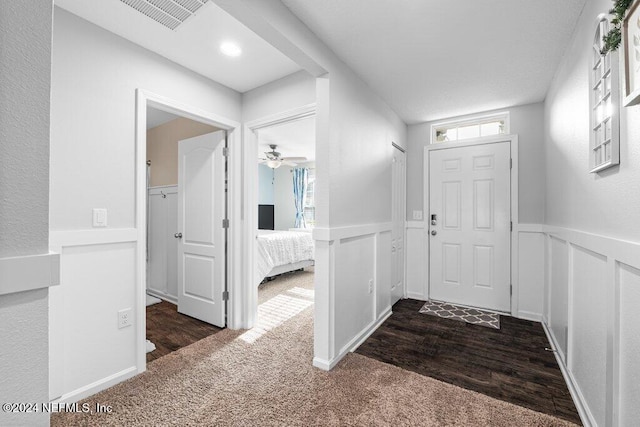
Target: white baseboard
(327,365)
(357,341)
(574,390)
(529,315)
(97,386)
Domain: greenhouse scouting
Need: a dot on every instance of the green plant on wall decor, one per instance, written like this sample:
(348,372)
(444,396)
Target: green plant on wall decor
(613,38)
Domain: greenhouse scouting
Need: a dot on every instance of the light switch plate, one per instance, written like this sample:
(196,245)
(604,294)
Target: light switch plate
(417,215)
(99,217)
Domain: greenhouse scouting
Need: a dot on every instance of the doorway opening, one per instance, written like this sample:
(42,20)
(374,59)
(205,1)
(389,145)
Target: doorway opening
(284,200)
(182,188)
(173,321)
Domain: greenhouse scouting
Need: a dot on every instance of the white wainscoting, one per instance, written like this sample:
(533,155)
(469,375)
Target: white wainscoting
(591,315)
(530,275)
(355,261)
(87,351)
(417,261)
(585,288)
(626,346)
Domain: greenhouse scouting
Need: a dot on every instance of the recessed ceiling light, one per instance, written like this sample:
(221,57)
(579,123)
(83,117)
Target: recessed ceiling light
(230,49)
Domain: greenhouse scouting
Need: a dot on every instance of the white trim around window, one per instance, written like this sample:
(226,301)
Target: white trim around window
(478,119)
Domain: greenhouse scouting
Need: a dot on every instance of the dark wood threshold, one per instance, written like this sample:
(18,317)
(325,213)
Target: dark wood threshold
(170,330)
(510,364)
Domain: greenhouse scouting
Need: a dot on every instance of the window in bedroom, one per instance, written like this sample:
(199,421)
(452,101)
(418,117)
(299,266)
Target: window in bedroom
(474,127)
(604,102)
(309,202)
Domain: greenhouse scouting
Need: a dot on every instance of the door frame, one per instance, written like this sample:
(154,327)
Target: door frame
(395,146)
(236,277)
(250,184)
(513,143)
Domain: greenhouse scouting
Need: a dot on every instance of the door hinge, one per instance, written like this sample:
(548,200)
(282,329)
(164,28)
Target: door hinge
(511,225)
(225,296)
(225,151)
(510,289)
(510,163)
(225,223)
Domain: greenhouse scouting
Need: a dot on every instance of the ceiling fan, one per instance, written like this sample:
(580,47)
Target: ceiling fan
(273,159)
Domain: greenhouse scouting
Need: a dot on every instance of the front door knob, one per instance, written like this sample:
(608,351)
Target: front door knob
(178,235)
(434,232)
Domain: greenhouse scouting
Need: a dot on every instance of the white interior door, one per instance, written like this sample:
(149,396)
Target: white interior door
(201,209)
(470,221)
(398,203)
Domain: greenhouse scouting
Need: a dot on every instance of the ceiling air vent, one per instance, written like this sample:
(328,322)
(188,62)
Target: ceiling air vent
(170,13)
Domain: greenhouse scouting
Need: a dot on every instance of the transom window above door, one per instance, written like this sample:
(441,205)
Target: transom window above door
(473,127)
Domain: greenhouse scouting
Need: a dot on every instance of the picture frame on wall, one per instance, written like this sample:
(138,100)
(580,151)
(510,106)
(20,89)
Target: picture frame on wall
(631,54)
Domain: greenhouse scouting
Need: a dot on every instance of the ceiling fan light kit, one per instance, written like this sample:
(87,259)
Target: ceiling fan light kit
(274,161)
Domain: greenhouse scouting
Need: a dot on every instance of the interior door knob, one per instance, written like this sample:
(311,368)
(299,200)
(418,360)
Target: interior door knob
(178,235)
(434,232)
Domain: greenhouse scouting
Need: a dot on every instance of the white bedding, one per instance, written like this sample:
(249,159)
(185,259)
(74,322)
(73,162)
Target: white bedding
(277,248)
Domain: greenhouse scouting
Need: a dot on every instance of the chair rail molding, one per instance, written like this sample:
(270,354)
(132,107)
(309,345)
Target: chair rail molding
(29,272)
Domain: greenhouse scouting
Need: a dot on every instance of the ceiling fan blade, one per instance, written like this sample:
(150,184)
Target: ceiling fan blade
(295,159)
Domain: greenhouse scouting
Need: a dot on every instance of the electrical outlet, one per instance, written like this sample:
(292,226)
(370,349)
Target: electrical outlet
(370,285)
(417,215)
(125,318)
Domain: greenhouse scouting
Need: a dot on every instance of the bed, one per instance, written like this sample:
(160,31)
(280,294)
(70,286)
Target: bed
(283,251)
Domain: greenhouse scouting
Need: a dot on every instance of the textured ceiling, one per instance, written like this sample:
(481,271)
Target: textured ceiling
(195,43)
(431,59)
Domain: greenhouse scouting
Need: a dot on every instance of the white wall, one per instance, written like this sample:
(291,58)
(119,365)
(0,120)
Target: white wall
(275,187)
(294,90)
(290,92)
(285,208)
(607,203)
(94,78)
(25,60)
(527,122)
(354,134)
(95,74)
(265,185)
(592,292)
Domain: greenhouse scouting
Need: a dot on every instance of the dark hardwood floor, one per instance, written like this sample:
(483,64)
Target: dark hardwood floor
(510,364)
(170,330)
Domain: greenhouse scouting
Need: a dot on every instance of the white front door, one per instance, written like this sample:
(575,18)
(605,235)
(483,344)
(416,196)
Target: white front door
(469,225)
(398,215)
(201,209)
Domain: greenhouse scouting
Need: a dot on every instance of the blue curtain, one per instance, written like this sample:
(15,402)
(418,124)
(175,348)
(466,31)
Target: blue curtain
(299,190)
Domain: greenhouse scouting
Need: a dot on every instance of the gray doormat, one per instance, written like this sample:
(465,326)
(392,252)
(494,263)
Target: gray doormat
(463,314)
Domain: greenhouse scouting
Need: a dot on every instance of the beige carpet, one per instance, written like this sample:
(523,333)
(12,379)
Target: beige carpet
(264,377)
